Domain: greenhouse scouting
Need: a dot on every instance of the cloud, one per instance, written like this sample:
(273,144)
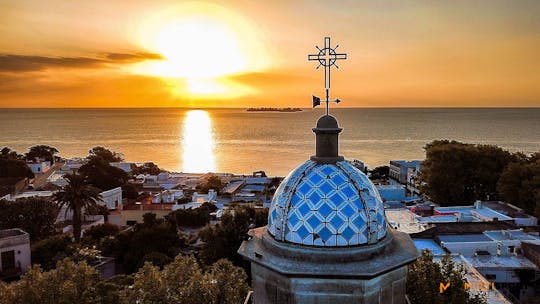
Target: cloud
(25,63)
(132,57)
(80,89)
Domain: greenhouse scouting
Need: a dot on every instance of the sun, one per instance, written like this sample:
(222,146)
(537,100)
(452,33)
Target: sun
(201,44)
(198,48)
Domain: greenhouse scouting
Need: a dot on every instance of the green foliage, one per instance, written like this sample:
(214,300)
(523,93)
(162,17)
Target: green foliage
(183,282)
(458,173)
(425,276)
(6,152)
(34,215)
(146,168)
(49,251)
(380,172)
(76,196)
(67,283)
(520,184)
(210,181)
(104,154)
(196,217)
(152,236)
(102,175)
(129,191)
(157,259)
(43,152)
(223,240)
(14,168)
(94,234)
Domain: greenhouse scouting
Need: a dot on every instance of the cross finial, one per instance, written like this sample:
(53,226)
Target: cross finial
(327,57)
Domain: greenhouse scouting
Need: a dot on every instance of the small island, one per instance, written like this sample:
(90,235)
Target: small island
(264,109)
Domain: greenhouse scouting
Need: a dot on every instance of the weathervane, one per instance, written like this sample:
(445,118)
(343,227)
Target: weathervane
(327,58)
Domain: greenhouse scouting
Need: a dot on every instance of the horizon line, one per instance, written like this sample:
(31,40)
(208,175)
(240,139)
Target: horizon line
(258,107)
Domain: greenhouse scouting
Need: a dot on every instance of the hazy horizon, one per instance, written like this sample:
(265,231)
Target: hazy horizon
(237,141)
(278,107)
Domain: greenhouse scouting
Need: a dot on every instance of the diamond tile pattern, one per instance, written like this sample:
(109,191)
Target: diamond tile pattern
(327,205)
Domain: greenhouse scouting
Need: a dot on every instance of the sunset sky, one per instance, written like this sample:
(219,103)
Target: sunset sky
(254,53)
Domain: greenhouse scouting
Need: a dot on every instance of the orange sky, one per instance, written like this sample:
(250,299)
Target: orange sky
(254,53)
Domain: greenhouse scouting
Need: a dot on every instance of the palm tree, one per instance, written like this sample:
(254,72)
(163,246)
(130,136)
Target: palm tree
(76,196)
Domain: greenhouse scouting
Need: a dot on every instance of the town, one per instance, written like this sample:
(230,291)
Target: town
(497,242)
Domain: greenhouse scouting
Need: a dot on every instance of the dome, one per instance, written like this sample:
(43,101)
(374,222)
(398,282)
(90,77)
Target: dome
(328,205)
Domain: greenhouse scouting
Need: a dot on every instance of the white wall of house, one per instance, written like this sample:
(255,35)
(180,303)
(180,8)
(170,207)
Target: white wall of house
(39,167)
(17,242)
(111,198)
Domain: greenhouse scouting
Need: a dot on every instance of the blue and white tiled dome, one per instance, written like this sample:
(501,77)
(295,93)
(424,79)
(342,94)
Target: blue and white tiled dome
(327,205)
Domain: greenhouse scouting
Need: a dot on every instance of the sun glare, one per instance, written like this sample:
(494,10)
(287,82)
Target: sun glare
(202,44)
(198,49)
(198,143)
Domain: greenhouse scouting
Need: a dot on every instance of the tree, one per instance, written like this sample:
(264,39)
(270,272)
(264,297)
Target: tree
(380,172)
(457,173)
(425,276)
(102,175)
(34,215)
(44,152)
(210,181)
(14,168)
(223,240)
(104,211)
(196,217)
(520,184)
(78,196)
(146,168)
(6,152)
(94,234)
(48,252)
(152,236)
(67,283)
(129,191)
(183,282)
(104,154)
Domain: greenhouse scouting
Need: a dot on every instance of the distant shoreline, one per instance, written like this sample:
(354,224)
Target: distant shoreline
(274,110)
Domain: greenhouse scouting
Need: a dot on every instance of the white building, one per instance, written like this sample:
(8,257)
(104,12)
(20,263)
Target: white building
(498,256)
(413,180)
(111,198)
(167,196)
(201,198)
(163,180)
(27,194)
(14,253)
(38,166)
(398,169)
(479,212)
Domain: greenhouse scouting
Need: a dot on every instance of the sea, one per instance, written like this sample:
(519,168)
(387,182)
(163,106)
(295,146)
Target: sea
(237,141)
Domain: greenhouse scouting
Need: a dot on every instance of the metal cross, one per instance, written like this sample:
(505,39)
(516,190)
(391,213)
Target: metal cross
(326,57)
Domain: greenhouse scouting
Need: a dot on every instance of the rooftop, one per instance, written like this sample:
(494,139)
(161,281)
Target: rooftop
(412,163)
(517,234)
(233,186)
(405,219)
(6,233)
(494,261)
(144,202)
(464,238)
(429,244)
(506,208)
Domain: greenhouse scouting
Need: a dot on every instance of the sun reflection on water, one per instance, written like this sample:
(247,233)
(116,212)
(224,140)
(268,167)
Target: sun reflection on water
(198,143)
